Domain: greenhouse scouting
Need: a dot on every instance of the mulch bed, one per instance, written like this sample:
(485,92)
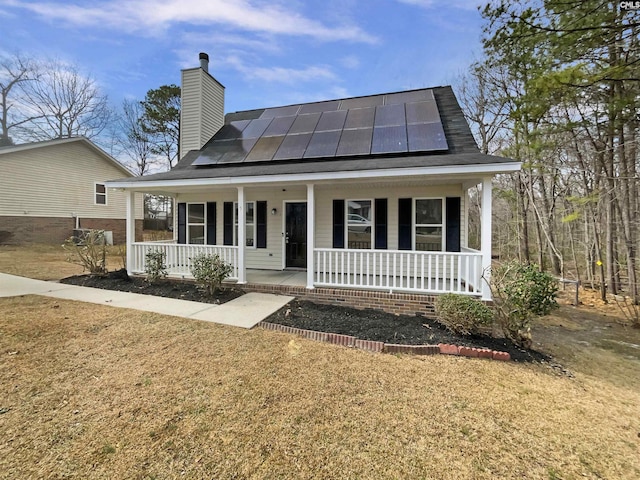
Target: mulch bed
(180,289)
(386,327)
(363,324)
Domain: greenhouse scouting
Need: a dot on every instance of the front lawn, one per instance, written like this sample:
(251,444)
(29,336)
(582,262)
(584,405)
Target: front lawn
(95,392)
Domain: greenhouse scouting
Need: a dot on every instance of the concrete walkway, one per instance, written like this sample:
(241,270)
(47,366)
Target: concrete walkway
(245,311)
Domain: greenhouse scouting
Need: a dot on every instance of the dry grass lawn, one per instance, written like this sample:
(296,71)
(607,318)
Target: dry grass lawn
(46,262)
(94,392)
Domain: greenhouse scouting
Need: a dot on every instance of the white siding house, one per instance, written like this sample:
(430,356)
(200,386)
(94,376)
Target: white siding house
(363,193)
(49,188)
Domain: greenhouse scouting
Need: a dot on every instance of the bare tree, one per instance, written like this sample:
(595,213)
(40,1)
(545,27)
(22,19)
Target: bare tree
(66,104)
(133,140)
(15,72)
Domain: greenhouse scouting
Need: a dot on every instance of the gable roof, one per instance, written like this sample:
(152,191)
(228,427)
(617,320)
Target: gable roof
(410,129)
(59,141)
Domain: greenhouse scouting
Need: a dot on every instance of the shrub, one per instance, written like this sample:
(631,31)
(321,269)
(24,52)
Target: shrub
(462,314)
(155,266)
(209,271)
(521,292)
(90,251)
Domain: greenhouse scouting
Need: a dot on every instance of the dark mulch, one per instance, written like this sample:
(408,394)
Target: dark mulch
(180,289)
(385,327)
(363,324)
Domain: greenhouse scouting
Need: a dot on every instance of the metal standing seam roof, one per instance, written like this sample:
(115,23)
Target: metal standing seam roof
(414,128)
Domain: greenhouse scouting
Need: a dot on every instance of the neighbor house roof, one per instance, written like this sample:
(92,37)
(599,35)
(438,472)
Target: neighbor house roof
(410,129)
(59,141)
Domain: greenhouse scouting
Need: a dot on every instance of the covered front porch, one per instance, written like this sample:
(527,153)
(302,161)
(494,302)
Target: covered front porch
(346,233)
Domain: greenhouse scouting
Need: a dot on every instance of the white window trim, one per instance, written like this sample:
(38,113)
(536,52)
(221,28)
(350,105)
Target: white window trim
(441,225)
(203,224)
(346,222)
(96,193)
(235,223)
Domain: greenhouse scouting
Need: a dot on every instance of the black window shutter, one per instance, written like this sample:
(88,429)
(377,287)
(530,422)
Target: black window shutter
(211,223)
(404,223)
(261,224)
(453,224)
(182,223)
(227,214)
(381,223)
(338,224)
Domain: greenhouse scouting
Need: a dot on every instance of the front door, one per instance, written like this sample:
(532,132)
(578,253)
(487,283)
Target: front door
(295,234)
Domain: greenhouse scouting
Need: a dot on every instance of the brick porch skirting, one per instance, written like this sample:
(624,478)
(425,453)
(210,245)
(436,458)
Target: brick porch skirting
(396,303)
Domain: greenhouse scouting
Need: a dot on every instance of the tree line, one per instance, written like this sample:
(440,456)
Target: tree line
(558,88)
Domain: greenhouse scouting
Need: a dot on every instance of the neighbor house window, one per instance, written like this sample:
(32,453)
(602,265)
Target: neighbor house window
(249,224)
(195,223)
(429,224)
(100,194)
(359,224)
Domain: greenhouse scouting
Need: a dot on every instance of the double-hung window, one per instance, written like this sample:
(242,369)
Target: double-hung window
(429,224)
(195,223)
(100,192)
(359,224)
(250,219)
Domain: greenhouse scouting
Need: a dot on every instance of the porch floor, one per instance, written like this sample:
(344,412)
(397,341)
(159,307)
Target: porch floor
(292,278)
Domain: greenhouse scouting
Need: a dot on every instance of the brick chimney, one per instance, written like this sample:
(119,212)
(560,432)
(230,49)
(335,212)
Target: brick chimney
(202,106)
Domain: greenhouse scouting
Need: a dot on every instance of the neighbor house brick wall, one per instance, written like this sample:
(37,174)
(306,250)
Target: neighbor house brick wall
(55,230)
(397,303)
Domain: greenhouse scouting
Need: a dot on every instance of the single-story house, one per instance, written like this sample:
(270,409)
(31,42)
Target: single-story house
(50,188)
(365,196)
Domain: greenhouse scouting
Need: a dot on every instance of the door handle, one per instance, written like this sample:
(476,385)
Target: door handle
(286,238)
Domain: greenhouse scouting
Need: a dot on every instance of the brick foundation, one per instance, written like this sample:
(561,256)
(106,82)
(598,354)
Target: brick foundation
(396,303)
(55,230)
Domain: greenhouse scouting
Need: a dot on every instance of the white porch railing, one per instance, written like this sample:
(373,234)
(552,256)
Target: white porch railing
(399,270)
(178,257)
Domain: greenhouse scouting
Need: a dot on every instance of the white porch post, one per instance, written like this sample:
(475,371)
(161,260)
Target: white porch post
(311,221)
(242,274)
(130,229)
(485,236)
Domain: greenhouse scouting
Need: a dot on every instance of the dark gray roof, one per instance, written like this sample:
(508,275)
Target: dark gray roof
(286,135)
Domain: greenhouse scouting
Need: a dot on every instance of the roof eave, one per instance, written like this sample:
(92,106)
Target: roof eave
(479,170)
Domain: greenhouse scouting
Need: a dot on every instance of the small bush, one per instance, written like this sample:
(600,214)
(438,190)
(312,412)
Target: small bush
(461,314)
(209,271)
(155,266)
(521,292)
(90,251)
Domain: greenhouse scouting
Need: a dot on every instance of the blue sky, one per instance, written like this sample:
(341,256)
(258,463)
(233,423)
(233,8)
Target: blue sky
(266,53)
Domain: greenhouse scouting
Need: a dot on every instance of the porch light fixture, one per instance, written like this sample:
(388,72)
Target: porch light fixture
(274,211)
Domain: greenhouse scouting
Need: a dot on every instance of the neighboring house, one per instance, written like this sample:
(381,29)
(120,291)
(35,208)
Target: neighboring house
(366,193)
(50,188)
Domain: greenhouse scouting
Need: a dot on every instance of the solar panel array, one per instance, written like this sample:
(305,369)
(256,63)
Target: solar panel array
(397,123)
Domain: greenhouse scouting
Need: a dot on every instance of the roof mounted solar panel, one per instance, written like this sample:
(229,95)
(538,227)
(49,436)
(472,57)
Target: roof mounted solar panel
(409,97)
(319,107)
(264,149)
(355,142)
(280,111)
(391,139)
(293,146)
(323,144)
(387,124)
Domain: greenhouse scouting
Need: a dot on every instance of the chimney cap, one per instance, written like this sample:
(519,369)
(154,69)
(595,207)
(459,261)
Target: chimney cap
(204,56)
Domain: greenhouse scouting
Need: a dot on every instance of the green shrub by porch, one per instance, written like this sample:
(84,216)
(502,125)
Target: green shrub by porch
(462,314)
(209,271)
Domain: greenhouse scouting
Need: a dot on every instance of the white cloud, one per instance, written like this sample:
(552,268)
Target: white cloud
(444,4)
(283,75)
(350,62)
(149,16)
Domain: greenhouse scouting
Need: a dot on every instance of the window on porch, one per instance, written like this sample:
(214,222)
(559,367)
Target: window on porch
(195,223)
(359,224)
(429,224)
